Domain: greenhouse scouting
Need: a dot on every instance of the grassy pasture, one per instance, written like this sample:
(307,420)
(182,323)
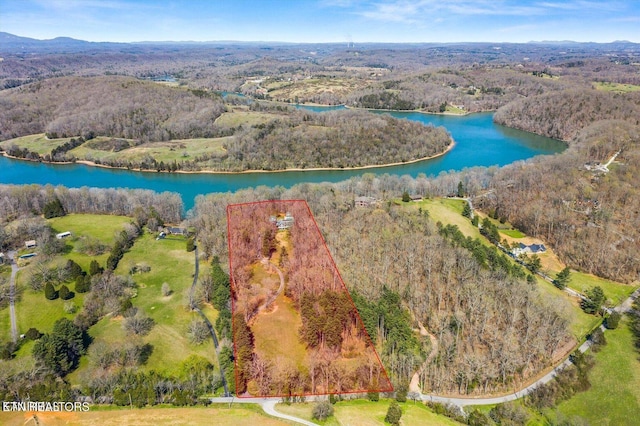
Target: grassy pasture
(614,397)
(157,416)
(36,143)
(616,87)
(447,211)
(171,263)
(167,151)
(615,292)
(360,412)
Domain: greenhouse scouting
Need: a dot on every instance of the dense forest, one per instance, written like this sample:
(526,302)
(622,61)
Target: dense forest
(561,115)
(457,298)
(114,106)
(332,139)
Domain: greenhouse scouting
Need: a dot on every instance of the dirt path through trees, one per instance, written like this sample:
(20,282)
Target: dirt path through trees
(414,386)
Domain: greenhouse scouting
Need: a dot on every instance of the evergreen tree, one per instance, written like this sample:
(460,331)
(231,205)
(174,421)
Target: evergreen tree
(191,244)
(394,413)
(466,210)
(594,299)
(83,284)
(612,320)
(460,189)
(60,351)
(64,293)
(406,197)
(49,292)
(562,278)
(94,268)
(53,208)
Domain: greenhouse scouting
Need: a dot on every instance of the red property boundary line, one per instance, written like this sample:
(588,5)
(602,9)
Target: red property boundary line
(344,287)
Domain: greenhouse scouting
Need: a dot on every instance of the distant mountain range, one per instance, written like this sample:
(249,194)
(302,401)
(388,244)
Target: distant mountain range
(10,43)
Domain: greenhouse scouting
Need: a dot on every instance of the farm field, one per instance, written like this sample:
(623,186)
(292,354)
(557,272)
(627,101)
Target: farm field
(614,397)
(166,416)
(615,292)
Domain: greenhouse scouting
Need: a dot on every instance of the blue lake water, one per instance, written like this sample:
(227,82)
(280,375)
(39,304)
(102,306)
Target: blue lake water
(479,142)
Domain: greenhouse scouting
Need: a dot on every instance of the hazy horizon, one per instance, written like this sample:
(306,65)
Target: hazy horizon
(324,21)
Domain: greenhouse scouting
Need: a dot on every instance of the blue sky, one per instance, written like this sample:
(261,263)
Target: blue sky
(324,20)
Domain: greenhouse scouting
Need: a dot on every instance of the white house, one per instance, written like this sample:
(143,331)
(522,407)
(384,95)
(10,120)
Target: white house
(528,249)
(63,235)
(30,244)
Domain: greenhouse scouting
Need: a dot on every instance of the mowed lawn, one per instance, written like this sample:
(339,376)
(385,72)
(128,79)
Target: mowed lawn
(244,414)
(36,143)
(614,397)
(171,263)
(361,412)
(615,292)
(448,212)
(100,227)
(32,308)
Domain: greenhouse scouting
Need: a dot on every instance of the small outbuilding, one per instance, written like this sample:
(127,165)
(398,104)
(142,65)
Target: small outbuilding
(30,244)
(2,258)
(63,235)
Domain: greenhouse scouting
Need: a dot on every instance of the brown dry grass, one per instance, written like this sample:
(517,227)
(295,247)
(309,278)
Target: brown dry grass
(145,417)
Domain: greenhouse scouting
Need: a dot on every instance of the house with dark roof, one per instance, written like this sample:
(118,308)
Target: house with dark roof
(528,249)
(177,231)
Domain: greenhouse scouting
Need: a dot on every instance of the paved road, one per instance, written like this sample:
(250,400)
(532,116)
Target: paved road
(268,406)
(12,296)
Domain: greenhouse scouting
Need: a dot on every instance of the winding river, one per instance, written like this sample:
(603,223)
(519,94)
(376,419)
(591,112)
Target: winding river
(479,142)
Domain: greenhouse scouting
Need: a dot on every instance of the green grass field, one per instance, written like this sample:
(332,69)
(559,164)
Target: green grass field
(614,397)
(580,323)
(616,87)
(170,263)
(36,143)
(178,150)
(615,292)
(513,233)
(360,412)
(245,414)
(447,211)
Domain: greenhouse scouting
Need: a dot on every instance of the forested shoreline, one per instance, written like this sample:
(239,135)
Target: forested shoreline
(133,117)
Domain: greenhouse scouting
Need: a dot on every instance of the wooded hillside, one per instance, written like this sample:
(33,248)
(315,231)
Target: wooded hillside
(114,106)
(562,114)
